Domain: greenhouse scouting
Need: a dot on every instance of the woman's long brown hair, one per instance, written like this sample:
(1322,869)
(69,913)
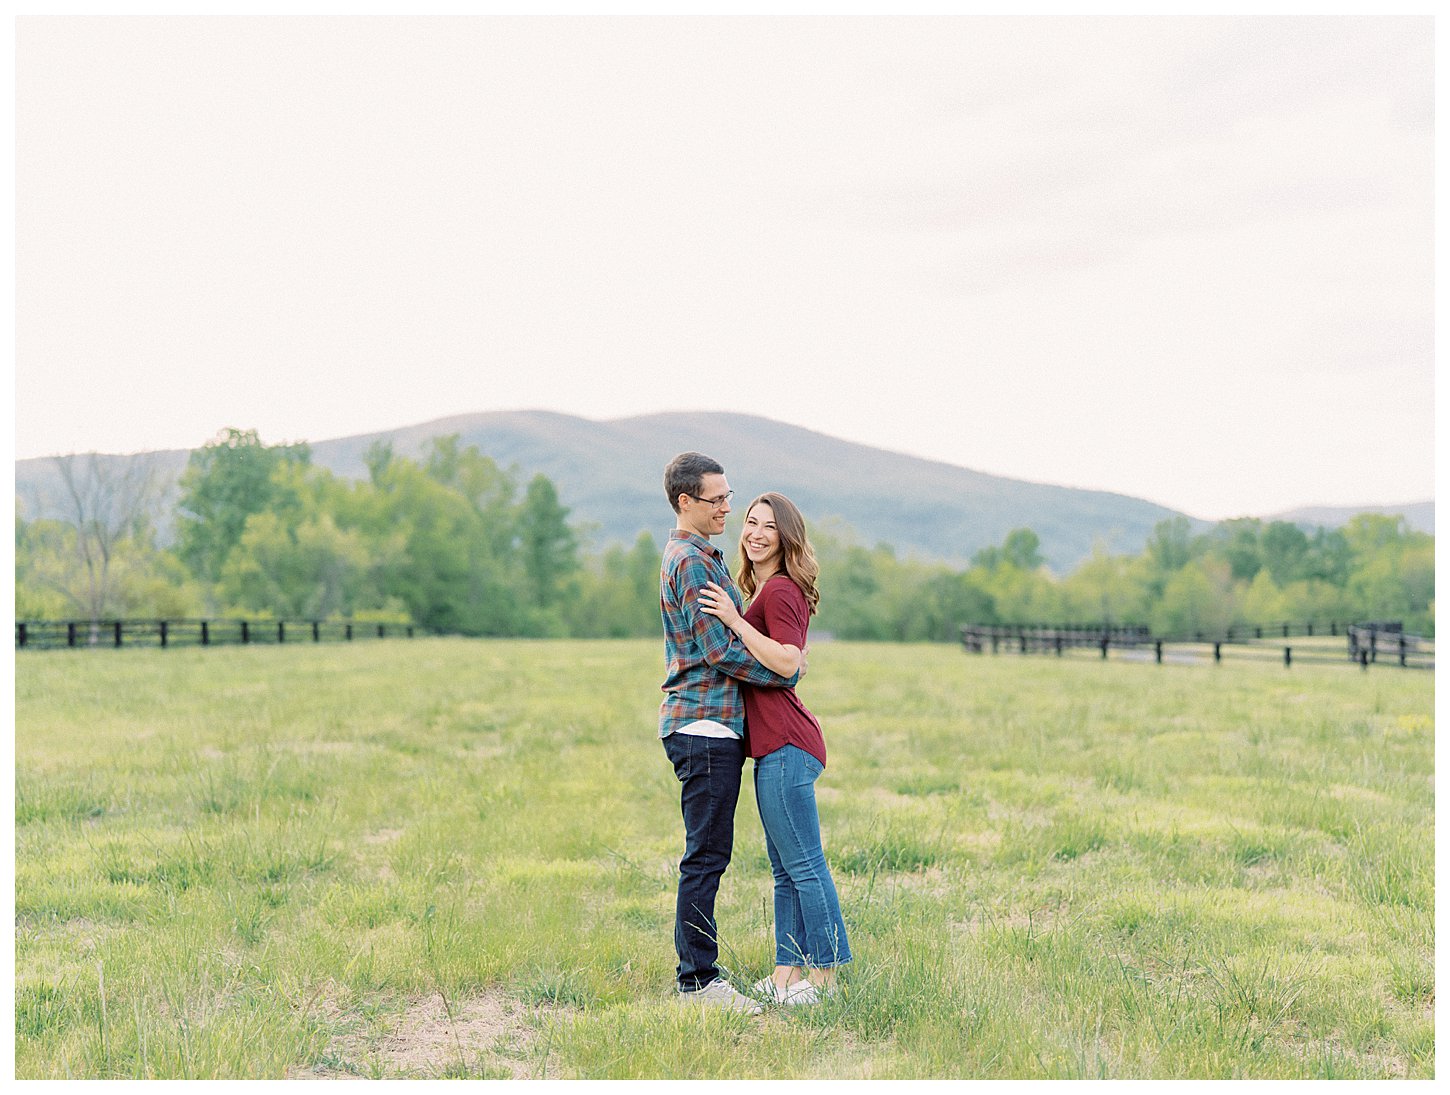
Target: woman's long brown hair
(796,553)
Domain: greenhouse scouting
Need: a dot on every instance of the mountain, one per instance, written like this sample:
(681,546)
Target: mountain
(1420,516)
(609,473)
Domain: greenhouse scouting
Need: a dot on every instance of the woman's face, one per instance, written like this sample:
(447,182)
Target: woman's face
(762,541)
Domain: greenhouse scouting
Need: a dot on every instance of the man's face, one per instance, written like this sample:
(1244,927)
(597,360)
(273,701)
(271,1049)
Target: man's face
(706,518)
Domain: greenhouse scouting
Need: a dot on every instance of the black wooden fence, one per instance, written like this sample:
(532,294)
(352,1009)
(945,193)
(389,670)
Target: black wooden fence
(1366,644)
(76,634)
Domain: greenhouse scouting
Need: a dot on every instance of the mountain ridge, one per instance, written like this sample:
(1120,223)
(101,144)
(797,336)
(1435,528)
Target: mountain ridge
(608,472)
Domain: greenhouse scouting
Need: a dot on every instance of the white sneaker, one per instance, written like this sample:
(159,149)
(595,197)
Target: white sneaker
(802,992)
(797,992)
(721,994)
(766,989)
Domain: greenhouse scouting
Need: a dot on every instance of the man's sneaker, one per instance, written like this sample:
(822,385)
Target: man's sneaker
(721,994)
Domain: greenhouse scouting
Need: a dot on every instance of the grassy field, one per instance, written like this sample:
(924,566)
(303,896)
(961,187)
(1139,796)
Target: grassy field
(457,858)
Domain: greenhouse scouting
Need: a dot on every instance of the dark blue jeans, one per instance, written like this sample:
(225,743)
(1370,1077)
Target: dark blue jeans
(808,926)
(709,773)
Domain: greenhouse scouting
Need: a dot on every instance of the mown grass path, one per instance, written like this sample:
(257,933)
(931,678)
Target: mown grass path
(451,857)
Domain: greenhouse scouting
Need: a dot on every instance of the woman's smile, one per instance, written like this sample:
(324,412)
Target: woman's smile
(762,539)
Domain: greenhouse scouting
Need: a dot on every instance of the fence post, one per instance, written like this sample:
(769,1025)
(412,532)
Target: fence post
(1333,629)
(118,632)
(1403,644)
(1286,629)
(246,632)
(1309,629)
(1258,632)
(410,632)
(382,634)
(349,632)
(161,626)
(1058,643)
(70,633)
(205,637)
(994,640)
(281,632)
(1158,651)
(1218,652)
(1364,658)
(1105,647)
(1373,645)
(23,635)
(316,632)
(1288,655)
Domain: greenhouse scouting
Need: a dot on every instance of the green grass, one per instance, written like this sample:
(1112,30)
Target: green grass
(457,858)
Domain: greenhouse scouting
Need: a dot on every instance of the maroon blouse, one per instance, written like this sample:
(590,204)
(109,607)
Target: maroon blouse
(775,717)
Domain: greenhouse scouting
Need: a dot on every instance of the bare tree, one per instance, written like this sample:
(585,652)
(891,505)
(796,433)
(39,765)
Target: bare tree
(109,499)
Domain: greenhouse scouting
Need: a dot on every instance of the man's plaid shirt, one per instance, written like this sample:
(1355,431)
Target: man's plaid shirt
(703,658)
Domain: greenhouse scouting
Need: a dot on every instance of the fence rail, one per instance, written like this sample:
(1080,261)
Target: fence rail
(76,634)
(1366,644)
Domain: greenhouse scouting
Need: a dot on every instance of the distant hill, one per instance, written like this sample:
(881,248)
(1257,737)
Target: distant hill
(1420,516)
(609,474)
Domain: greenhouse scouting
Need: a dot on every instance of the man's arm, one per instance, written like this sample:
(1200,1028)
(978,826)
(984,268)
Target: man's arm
(782,655)
(718,643)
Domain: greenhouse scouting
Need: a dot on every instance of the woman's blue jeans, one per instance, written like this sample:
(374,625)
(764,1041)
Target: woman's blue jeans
(808,926)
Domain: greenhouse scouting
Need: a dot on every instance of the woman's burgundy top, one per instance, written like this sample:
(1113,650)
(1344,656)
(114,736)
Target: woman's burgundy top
(775,716)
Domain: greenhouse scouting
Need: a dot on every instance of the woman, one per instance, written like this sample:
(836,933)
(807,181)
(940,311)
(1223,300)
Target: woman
(778,570)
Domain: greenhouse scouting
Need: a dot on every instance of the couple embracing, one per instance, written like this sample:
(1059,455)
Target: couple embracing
(730,691)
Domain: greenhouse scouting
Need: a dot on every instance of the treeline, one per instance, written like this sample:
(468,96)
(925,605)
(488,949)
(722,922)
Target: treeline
(454,543)
(1243,571)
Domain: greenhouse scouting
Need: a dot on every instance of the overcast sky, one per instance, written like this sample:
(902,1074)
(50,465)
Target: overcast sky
(1189,260)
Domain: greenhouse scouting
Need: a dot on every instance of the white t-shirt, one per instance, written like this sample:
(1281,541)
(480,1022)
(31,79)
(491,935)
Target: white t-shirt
(707,728)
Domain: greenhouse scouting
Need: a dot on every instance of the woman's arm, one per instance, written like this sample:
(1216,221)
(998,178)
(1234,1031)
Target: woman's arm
(777,657)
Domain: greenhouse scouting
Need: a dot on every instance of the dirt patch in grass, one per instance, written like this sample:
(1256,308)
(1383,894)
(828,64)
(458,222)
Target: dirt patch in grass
(81,932)
(321,747)
(1333,1049)
(489,1036)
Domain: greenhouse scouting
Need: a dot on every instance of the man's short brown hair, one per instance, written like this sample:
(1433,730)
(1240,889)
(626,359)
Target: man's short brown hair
(684,474)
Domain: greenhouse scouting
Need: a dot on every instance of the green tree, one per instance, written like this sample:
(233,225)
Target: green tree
(1197,598)
(618,593)
(53,579)
(1238,542)
(1286,552)
(449,557)
(850,586)
(1170,546)
(306,570)
(1369,534)
(225,482)
(1330,557)
(937,603)
(1392,575)
(1020,549)
(1105,589)
(1263,601)
(547,544)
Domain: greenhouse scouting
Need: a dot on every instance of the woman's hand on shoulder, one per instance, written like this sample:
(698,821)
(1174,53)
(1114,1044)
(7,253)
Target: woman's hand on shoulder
(715,601)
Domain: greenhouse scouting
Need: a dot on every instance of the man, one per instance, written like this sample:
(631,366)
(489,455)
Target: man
(702,718)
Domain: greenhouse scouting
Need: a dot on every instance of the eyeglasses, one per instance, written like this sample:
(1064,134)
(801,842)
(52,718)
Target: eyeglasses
(716,503)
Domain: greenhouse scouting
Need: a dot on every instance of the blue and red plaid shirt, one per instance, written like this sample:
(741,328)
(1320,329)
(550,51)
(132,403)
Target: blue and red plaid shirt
(703,658)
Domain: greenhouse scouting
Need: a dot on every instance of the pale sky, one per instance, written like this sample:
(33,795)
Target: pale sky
(1189,260)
